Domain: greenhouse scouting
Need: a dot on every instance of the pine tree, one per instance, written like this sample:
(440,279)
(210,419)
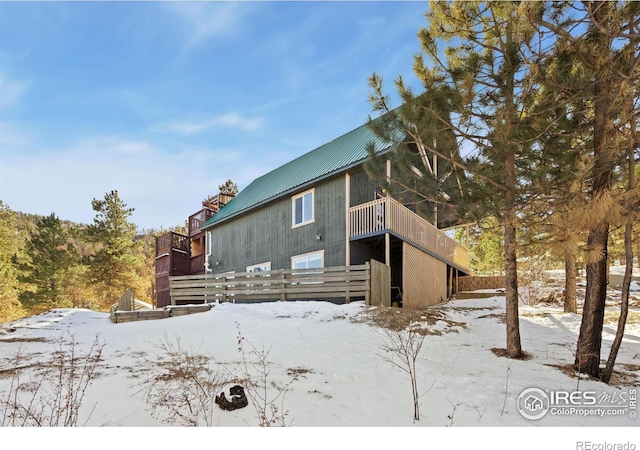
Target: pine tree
(10,245)
(603,38)
(430,185)
(486,249)
(228,188)
(49,259)
(478,60)
(115,266)
(632,212)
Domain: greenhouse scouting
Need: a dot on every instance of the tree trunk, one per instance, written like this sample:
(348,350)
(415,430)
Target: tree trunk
(514,349)
(570,305)
(590,339)
(624,306)
(628,254)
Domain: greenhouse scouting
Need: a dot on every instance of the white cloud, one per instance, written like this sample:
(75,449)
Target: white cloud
(229,120)
(235,120)
(10,90)
(164,185)
(210,20)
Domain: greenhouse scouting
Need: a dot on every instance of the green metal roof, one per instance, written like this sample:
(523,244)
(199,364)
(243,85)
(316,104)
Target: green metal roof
(329,159)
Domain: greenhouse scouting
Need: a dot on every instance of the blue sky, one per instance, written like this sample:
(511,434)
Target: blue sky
(164,101)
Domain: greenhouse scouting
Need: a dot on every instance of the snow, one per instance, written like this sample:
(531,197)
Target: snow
(347,386)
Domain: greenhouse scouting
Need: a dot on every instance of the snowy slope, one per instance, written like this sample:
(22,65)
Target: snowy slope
(345,380)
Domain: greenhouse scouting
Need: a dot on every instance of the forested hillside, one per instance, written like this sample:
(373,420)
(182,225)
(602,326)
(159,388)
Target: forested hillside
(48,262)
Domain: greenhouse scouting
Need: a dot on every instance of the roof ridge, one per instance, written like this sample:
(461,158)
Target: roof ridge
(309,152)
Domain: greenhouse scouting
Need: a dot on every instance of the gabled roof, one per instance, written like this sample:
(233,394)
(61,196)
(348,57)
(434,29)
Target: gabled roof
(330,159)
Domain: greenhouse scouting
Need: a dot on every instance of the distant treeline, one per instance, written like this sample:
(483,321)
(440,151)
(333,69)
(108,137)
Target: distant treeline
(47,262)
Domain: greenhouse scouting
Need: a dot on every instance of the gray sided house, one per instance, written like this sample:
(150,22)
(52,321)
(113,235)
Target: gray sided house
(322,210)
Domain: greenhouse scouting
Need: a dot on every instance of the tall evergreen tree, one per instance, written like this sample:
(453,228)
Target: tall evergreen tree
(430,185)
(115,266)
(601,38)
(478,58)
(49,259)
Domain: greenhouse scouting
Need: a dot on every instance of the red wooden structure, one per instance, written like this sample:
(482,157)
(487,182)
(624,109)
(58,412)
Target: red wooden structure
(177,254)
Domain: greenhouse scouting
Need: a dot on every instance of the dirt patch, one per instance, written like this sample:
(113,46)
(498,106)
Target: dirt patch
(398,319)
(619,378)
(502,353)
(315,391)
(502,318)
(8,373)
(611,317)
(476,308)
(298,371)
(19,339)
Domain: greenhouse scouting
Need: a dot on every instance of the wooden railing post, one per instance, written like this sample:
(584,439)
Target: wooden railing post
(225,297)
(283,296)
(367,295)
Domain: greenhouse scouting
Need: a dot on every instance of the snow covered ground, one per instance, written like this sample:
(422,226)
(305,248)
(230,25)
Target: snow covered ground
(345,384)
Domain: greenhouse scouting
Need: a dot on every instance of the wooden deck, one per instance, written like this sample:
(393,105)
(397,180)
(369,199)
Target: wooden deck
(386,215)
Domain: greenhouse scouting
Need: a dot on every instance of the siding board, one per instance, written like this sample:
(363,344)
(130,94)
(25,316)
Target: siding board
(265,234)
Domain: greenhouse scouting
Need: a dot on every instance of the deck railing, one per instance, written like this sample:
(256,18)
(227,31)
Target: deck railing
(386,215)
(196,220)
(171,241)
(352,281)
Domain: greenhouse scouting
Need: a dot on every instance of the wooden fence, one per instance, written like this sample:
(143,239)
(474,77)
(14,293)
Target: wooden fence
(346,282)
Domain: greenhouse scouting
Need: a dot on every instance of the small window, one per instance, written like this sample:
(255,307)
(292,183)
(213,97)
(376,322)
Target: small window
(262,267)
(308,261)
(260,270)
(303,208)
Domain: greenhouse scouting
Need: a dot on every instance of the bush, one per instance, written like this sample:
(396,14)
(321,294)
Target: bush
(54,391)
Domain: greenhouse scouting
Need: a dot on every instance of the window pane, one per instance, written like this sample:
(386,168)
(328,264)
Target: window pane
(314,261)
(263,267)
(298,210)
(300,263)
(308,207)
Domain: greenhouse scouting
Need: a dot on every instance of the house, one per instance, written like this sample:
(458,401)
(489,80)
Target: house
(178,254)
(322,210)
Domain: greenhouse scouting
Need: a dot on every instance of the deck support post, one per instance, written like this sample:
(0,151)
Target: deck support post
(387,249)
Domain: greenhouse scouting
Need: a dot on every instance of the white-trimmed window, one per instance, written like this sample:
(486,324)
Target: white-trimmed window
(302,206)
(259,269)
(262,267)
(308,260)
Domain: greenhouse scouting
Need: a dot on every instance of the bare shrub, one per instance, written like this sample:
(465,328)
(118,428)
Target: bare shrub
(263,393)
(182,385)
(531,276)
(50,394)
(404,346)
